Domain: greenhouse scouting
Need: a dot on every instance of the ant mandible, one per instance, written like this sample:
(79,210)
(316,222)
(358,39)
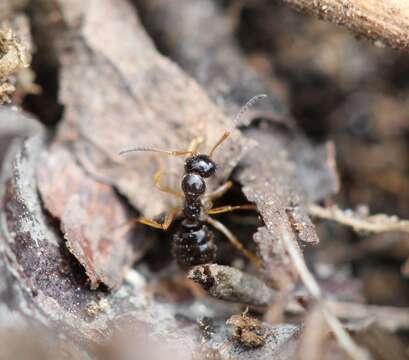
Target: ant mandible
(193,243)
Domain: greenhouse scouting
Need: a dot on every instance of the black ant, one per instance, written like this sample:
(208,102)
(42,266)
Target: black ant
(193,243)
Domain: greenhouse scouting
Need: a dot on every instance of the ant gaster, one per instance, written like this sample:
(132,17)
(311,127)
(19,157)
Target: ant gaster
(193,243)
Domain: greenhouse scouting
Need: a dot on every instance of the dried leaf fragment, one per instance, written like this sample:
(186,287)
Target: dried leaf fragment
(90,213)
(139,99)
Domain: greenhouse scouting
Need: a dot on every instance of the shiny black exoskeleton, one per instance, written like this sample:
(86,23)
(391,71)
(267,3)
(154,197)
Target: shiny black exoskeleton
(193,243)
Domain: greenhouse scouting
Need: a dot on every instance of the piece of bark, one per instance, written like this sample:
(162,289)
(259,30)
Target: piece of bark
(91,216)
(54,295)
(385,23)
(281,190)
(213,58)
(133,97)
(230,284)
(46,284)
(297,172)
(41,283)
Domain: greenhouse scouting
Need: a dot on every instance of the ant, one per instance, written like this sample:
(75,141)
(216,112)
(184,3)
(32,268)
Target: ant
(193,243)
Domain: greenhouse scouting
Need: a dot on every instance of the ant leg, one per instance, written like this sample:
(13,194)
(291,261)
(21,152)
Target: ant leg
(156,181)
(229,208)
(220,191)
(194,144)
(229,235)
(126,226)
(166,223)
(225,135)
(164,226)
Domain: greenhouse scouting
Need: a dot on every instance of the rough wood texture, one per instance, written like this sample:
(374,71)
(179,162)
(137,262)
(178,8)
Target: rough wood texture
(91,216)
(384,22)
(213,58)
(290,171)
(42,287)
(142,101)
(230,284)
(281,190)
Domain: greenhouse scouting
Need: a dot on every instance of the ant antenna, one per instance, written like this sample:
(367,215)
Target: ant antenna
(236,120)
(171,153)
(247,106)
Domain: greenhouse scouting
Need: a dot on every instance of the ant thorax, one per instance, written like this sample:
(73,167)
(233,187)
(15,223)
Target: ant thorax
(197,168)
(193,242)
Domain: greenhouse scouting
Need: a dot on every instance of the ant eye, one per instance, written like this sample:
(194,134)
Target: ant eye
(193,185)
(200,164)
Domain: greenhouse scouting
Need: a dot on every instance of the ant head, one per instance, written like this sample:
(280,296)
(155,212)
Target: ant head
(200,164)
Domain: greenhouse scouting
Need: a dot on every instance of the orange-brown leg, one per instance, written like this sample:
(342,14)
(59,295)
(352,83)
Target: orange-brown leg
(230,208)
(220,191)
(166,223)
(229,235)
(128,225)
(157,179)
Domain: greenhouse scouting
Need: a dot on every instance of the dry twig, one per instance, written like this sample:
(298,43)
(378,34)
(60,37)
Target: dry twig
(378,223)
(343,338)
(230,284)
(387,317)
(384,22)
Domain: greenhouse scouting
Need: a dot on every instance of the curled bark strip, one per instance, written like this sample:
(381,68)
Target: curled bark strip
(90,215)
(230,284)
(385,22)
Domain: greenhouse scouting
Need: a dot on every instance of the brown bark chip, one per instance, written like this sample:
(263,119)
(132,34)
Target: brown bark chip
(286,170)
(90,215)
(119,93)
(274,176)
(214,57)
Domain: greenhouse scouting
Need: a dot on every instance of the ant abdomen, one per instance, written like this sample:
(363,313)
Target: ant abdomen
(193,244)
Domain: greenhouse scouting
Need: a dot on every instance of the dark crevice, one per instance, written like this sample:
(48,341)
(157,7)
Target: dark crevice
(44,106)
